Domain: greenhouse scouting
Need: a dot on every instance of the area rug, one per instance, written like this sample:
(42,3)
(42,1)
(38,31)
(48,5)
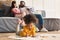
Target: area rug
(38,37)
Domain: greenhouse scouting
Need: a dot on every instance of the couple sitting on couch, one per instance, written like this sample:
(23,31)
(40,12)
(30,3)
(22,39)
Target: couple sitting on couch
(23,10)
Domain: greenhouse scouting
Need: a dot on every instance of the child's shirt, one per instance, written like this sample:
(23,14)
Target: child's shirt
(26,31)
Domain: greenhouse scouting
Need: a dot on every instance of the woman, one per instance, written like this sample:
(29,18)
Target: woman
(13,5)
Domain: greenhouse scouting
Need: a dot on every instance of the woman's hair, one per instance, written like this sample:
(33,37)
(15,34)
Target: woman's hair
(22,5)
(30,19)
(12,4)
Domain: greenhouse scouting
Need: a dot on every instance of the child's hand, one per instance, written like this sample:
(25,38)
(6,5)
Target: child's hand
(19,21)
(23,23)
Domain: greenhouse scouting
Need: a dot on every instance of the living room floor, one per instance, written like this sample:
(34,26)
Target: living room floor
(52,35)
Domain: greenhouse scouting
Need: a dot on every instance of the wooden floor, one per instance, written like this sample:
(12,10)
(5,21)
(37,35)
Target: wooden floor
(4,36)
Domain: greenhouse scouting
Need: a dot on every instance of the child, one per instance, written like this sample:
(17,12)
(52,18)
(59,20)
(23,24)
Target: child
(29,29)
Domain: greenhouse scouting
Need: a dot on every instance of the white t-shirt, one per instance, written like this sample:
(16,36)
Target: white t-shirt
(24,11)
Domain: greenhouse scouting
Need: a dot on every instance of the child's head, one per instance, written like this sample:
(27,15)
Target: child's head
(30,19)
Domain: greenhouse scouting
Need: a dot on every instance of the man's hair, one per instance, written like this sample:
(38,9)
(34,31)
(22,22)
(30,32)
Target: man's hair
(30,19)
(21,6)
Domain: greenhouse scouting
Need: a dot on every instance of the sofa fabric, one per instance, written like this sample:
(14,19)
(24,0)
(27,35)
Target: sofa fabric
(8,24)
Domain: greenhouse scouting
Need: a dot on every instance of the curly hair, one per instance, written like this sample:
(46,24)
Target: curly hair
(30,18)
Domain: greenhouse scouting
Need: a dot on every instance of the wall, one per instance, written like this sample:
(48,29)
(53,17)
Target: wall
(50,8)
(6,2)
(58,8)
